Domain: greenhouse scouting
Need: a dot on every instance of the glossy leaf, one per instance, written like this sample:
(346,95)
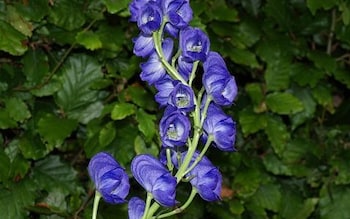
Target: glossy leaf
(11,40)
(122,110)
(89,40)
(146,124)
(116,6)
(277,134)
(283,103)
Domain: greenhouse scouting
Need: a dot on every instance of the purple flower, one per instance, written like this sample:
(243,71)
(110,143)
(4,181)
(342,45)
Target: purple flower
(143,45)
(174,128)
(184,68)
(150,18)
(217,80)
(154,178)
(179,14)
(110,178)
(136,208)
(182,97)
(194,44)
(164,87)
(206,178)
(153,70)
(221,127)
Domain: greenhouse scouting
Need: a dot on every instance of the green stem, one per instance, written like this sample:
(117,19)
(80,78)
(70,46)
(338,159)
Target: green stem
(152,210)
(200,156)
(168,158)
(180,209)
(95,205)
(205,109)
(157,39)
(148,204)
(193,72)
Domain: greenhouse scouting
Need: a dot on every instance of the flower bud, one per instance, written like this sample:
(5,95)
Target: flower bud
(194,44)
(110,178)
(136,208)
(154,178)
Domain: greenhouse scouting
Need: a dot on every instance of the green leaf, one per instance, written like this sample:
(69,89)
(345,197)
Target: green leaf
(141,147)
(51,173)
(33,10)
(146,124)
(35,73)
(283,103)
(252,6)
(342,76)
(279,10)
(122,110)
(269,197)
(323,61)
(255,93)
(15,198)
(89,40)
(323,96)
(18,22)
(277,75)
(17,109)
(306,75)
(5,120)
(309,106)
(247,182)
(252,122)
(244,57)
(107,134)
(4,166)
(55,130)
(115,6)
(277,134)
(140,96)
(78,75)
(67,14)
(11,40)
(315,5)
(340,167)
(274,165)
(107,33)
(32,147)
(334,203)
(221,12)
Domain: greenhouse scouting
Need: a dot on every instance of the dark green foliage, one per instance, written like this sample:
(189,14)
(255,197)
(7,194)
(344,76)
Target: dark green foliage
(70,87)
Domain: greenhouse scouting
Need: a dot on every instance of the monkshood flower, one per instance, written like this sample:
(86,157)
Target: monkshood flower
(150,18)
(154,178)
(164,87)
(136,208)
(179,14)
(153,70)
(221,127)
(184,68)
(143,45)
(182,97)
(217,80)
(206,178)
(174,128)
(194,44)
(110,179)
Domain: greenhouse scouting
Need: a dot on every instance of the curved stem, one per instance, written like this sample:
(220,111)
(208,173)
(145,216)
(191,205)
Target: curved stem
(182,208)
(95,205)
(193,72)
(148,204)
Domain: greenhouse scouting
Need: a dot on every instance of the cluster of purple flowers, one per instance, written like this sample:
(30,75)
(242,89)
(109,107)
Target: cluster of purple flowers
(190,116)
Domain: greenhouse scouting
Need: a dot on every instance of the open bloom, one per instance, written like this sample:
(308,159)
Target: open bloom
(217,80)
(182,97)
(143,45)
(154,178)
(221,127)
(150,18)
(179,14)
(153,70)
(136,208)
(174,128)
(110,178)
(194,44)
(207,179)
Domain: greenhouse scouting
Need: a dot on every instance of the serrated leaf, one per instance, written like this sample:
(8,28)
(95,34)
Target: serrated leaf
(279,10)
(32,147)
(51,173)
(277,75)
(4,166)
(221,12)
(75,96)
(107,33)
(246,182)
(11,40)
(342,76)
(309,107)
(252,6)
(274,165)
(252,122)
(107,134)
(146,124)
(340,167)
(18,22)
(255,92)
(5,120)
(323,61)
(244,57)
(334,203)
(89,40)
(269,197)
(17,109)
(306,75)
(141,97)
(15,199)
(114,6)
(277,134)
(35,73)
(141,147)
(314,5)
(54,130)
(122,110)
(283,103)
(33,10)
(59,11)
(323,96)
